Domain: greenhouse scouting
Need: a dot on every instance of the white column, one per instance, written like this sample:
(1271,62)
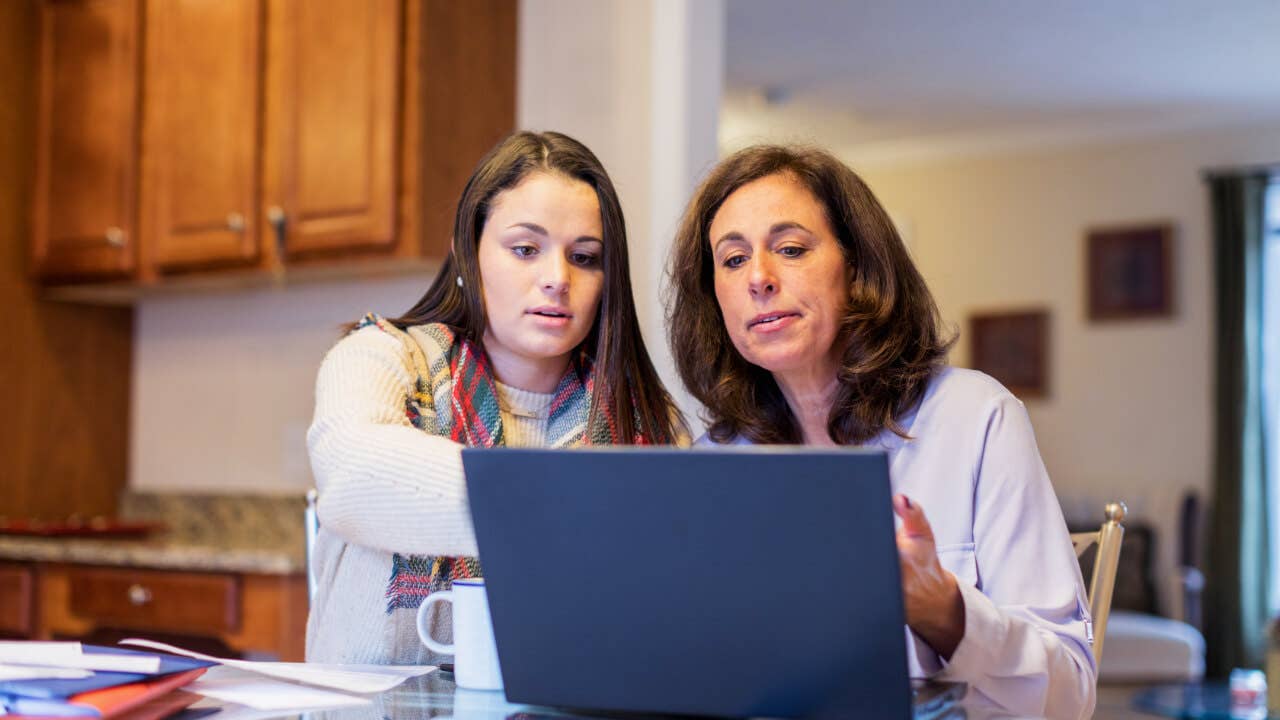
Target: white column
(640,84)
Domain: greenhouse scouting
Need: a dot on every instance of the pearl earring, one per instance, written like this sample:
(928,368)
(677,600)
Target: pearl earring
(459,281)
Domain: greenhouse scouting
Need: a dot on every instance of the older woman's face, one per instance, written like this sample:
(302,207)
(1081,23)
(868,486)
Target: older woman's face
(780,277)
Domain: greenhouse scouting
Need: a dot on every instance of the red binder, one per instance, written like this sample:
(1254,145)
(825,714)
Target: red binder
(143,700)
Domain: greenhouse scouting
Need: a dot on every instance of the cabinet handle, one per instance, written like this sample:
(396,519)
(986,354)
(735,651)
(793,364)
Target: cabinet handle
(115,237)
(276,216)
(139,595)
(235,222)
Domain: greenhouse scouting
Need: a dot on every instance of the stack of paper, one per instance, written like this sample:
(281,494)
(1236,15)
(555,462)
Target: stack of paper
(285,686)
(70,680)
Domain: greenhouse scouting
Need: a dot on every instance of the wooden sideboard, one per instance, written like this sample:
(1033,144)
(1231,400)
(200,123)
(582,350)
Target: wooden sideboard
(249,612)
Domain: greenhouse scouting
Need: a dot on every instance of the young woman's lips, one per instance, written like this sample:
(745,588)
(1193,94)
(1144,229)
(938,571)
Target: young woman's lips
(773,323)
(550,318)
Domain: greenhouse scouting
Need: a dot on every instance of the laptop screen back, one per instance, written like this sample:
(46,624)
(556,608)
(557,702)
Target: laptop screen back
(744,582)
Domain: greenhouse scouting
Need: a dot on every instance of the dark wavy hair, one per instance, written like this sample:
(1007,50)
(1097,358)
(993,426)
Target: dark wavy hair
(625,378)
(891,336)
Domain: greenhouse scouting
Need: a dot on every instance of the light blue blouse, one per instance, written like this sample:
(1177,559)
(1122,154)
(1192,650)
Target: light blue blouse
(974,467)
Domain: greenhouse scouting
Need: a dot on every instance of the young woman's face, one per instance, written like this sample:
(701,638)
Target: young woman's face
(780,276)
(541,269)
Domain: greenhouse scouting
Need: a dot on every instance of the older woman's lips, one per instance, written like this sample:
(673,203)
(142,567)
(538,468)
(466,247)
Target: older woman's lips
(773,322)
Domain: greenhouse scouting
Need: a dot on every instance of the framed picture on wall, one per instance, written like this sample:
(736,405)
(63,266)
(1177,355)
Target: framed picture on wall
(1012,347)
(1130,272)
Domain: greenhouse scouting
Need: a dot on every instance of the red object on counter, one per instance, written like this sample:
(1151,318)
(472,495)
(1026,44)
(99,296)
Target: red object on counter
(99,527)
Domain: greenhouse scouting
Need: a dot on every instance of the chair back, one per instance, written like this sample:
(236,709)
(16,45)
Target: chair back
(1103,582)
(1190,577)
(311,525)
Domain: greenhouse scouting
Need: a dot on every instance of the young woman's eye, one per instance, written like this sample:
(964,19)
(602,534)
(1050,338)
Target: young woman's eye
(584,259)
(734,261)
(792,251)
(524,250)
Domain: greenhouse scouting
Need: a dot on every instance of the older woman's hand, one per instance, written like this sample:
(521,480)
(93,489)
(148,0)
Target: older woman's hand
(935,610)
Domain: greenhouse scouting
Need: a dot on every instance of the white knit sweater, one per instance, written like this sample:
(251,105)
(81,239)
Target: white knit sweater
(386,487)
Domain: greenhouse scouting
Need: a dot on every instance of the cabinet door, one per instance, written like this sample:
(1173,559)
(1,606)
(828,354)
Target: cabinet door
(333,107)
(16,590)
(202,111)
(86,180)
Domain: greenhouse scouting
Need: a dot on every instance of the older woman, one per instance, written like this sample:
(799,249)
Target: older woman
(798,317)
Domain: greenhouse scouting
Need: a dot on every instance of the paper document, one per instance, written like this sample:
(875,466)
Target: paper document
(27,653)
(259,693)
(235,711)
(331,676)
(404,671)
(37,672)
(72,655)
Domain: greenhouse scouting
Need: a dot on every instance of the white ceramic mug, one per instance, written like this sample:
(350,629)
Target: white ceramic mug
(475,655)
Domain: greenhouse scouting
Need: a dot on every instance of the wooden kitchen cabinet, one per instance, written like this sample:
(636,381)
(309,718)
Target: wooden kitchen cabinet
(84,215)
(281,136)
(197,603)
(332,152)
(246,611)
(321,77)
(17,584)
(202,117)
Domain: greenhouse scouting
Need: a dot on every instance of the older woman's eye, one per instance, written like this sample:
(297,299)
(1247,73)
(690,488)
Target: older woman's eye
(734,261)
(792,251)
(524,250)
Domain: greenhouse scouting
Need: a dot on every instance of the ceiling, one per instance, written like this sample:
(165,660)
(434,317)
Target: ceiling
(893,78)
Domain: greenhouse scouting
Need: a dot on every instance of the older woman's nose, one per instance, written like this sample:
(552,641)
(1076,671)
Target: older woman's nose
(761,278)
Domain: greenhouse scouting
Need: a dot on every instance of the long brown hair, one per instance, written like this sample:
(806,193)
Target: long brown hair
(625,378)
(890,336)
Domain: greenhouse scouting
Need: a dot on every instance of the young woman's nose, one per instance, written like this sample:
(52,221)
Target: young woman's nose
(555,275)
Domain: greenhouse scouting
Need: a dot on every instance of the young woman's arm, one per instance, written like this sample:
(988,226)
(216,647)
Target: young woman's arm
(383,483)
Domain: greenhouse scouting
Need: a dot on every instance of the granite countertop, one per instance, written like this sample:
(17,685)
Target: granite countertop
(226,533)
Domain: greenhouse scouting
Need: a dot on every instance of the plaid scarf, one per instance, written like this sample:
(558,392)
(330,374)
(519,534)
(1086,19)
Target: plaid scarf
(454,395)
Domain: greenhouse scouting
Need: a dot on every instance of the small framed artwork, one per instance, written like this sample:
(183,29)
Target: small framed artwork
(1130,271)
(1012,347)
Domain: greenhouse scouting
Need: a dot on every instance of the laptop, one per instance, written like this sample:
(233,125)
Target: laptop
(752,581)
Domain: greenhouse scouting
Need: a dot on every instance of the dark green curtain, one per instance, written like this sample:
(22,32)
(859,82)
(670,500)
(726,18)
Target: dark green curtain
(1238,554)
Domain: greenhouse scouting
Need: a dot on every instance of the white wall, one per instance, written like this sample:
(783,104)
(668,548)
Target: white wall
(1129,411)
(640,84)
(223,385)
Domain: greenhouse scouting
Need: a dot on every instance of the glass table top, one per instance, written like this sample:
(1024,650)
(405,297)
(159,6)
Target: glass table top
(426,696)
(436,696)
(1201,701)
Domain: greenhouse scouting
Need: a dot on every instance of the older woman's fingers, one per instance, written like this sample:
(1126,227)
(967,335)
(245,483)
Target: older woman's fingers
(914,523)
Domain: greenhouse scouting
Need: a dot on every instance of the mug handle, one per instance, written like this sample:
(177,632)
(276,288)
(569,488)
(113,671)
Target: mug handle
(424,632)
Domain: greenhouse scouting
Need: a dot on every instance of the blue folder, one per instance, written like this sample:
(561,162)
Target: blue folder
(48,696)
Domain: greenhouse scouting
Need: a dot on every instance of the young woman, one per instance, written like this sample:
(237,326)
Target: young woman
(527,337)
(798,317)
